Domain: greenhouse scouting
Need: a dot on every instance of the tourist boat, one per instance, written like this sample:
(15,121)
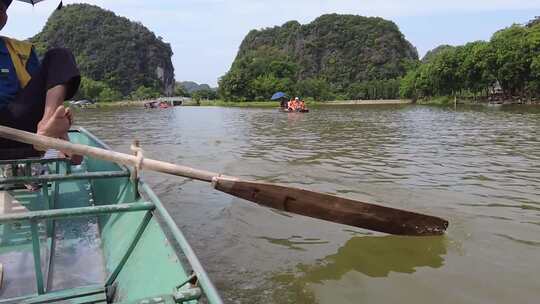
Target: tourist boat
(164,105)
(151,105)
(156,104)
(93,233)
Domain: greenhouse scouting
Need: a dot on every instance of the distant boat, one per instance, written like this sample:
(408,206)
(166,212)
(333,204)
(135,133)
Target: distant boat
(164,105)
(83,103)
(495,104)
(156,104)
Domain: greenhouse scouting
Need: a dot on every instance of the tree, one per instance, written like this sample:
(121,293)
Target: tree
(512,58)
(533,85)
(258,75)
(477,66)
(316,88)
(264,86)
(143,92)
(90,89)
(204,94)
(108,95)
(407,86)
(443,73)
(179,90)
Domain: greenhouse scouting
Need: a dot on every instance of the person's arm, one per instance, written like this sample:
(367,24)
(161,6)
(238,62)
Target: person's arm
(55,95)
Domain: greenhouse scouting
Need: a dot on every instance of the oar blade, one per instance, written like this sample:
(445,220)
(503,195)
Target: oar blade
(332,208)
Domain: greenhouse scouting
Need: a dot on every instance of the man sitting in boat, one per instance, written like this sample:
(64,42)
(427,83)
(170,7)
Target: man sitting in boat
(290,105)
(294,105)
(301,105)
(32,93)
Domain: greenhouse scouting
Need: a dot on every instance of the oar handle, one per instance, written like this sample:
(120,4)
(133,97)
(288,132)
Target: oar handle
(108,155)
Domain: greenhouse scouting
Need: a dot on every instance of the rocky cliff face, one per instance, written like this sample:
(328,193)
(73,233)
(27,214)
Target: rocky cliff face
(123,54)
(342,49)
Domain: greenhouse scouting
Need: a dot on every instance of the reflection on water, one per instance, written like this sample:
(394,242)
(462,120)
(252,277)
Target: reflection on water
(377,256)
(294,241)
(373,256)
(477,167)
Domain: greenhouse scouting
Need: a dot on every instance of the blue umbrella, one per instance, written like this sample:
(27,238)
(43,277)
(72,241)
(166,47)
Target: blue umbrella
(278,95)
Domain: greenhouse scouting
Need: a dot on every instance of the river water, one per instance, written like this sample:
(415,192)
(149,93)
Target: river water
(477,167)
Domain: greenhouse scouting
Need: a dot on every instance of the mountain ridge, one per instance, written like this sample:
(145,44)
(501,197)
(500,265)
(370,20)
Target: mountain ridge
(333,51)
(123,54)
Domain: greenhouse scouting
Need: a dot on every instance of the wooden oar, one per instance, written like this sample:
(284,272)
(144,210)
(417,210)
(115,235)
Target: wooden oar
(300,201)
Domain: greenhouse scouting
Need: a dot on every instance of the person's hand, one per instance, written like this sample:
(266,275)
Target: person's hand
(57,125)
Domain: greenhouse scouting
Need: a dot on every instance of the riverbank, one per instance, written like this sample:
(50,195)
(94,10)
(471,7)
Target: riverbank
(369,102)
(274,104)
(123,103)
(436,101)
(449,101)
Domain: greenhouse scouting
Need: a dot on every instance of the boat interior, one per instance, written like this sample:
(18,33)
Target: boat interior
(92,233)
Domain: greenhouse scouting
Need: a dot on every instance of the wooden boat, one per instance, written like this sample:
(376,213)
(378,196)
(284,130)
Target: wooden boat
(151,105)
(92,234)
(164,105)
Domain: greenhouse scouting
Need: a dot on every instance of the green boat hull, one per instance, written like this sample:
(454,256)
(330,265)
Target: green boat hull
(92,234)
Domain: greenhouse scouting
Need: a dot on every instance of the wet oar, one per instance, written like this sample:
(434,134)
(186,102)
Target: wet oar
(305,202)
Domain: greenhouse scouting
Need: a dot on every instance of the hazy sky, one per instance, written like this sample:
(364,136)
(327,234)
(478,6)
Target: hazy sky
(205,34)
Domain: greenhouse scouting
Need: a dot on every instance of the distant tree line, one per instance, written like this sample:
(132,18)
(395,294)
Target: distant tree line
(264,71)
(511,60)
(100,91)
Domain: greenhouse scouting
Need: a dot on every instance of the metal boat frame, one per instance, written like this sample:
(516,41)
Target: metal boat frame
(133,226)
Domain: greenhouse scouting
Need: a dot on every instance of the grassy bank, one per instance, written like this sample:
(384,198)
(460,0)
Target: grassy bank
(369,102)
(255,104)
(123,103)
(244,104)
(450,101)
(437,101)
(274,104)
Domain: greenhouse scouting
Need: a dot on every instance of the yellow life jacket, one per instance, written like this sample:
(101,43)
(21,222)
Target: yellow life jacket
(19,51)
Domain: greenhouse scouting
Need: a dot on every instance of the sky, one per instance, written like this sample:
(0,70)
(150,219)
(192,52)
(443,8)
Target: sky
(205,34)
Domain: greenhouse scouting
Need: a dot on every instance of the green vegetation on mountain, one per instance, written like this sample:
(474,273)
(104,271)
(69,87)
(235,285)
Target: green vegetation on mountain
(195,91)
(433,53)
(510,59)
(335,56)
(191,86)
(118,58)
